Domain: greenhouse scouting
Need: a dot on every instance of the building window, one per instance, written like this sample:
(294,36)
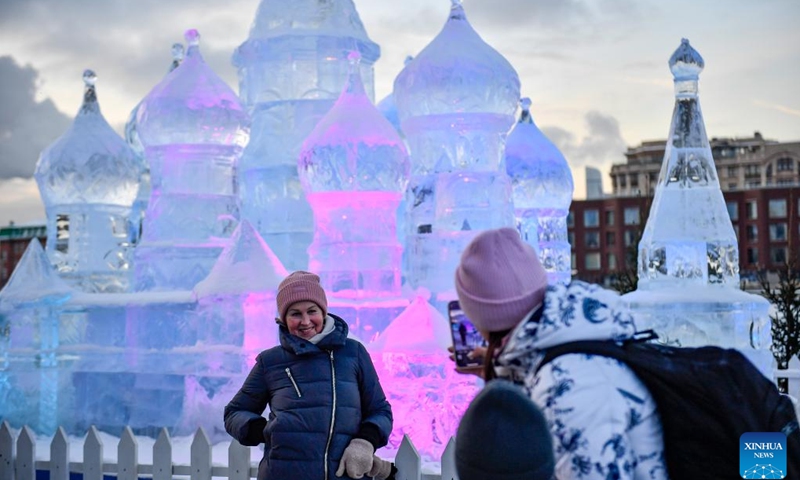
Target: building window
(731,186)
(573,261)
(777,208)
(752,255)
(592,240)
(752,184)
(609,218)
(733,210)
(62,233)
(592,261)
(733,171)
(752,209)
(634,181)
(591,218)
(752,170)
(777,232)
(571,238)
(785,164)
(623,181)
(571,219)
(777,254)
(752,233)
(611,239)
(630,237)
(631,216)
(611,259)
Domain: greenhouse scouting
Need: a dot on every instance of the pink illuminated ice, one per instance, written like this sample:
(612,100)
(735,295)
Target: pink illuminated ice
(428,397)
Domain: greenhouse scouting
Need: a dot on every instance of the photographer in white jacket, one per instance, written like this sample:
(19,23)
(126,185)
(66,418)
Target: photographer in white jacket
(603,420)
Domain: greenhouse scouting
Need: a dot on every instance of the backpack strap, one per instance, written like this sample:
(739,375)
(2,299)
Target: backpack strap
(606,348)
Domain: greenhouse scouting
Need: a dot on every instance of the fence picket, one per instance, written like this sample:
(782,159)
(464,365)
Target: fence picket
(201,456)
(127,456)
(59,456)
(162,456)
(238,461)
(25,468)
(407,461)
(449,461)
(6,452)
(92,455)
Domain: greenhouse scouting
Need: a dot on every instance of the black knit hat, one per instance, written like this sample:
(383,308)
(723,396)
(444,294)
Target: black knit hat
(503,436)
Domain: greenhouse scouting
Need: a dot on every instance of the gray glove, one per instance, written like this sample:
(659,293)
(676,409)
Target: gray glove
(381,469)
(357,459)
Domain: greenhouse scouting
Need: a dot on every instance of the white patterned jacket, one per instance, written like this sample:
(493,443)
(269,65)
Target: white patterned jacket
(603,419)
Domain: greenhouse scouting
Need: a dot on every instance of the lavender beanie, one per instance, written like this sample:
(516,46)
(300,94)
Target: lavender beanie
(499,280)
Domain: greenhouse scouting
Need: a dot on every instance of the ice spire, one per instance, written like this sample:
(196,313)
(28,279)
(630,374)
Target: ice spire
(354,168)
(193,129)
(688,238)
(88,179)
(542,188)
(291,69)
(34,281)
(688,289)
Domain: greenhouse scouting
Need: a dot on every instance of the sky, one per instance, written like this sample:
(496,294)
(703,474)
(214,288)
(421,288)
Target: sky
(595,70)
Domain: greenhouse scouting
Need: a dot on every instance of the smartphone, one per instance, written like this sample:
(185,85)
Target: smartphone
(465,336)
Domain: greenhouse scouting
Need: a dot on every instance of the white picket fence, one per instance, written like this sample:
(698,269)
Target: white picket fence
(18,456)
(18,459)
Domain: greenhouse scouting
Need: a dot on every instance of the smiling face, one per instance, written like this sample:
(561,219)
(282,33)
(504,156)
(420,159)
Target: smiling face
(304,319)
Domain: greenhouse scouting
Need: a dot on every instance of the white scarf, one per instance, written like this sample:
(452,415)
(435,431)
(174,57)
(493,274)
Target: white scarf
(326,329)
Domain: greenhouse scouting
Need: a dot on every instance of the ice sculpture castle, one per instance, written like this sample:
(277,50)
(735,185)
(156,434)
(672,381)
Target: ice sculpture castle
(301,170)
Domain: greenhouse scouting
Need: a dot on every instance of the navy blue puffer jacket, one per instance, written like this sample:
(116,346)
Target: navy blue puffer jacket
(320,396)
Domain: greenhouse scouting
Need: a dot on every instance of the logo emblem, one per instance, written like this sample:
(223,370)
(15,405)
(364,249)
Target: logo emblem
(762,455)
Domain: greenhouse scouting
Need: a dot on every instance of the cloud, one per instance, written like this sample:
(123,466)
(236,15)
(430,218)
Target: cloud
(26,126)
(601,147)
(779,108)
(20,202)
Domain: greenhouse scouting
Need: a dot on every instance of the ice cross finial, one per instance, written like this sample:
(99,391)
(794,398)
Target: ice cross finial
(89,94)
(457,10)
(177,55)
(525,115)
(89,78)
(192,37)
(354,84)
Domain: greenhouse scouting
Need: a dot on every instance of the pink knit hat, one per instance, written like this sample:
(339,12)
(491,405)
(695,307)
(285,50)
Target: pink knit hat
(499,280)
(300,286)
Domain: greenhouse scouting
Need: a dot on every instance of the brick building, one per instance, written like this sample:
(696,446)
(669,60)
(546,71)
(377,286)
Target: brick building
(760,181)
(14,239)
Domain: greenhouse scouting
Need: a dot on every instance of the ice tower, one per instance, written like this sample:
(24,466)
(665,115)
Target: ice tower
(291,69)
(29,337)
(354,168)
(456,102)
(688,287)
(132,137)
(193,129)
(88,180)
(542,190)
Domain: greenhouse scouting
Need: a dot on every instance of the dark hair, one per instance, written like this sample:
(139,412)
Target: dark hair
(495,341)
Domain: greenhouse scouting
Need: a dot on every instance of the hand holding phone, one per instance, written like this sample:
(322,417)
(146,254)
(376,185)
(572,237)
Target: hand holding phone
(468,344)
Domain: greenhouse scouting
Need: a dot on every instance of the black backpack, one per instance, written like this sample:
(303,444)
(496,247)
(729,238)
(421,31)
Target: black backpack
(707,398)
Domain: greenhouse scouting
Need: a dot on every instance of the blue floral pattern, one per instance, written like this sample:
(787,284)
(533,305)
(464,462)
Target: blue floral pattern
(604,421)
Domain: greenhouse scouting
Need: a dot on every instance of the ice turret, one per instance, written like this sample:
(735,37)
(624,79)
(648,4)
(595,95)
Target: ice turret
(132,137)
(542,189)
(193,129)
(88,179)
(291,70)
(29,339)
(456,102)
(688,288)
(354,168)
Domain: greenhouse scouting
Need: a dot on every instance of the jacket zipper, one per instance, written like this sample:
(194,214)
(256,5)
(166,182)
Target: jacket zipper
(296,388)
(333,414)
